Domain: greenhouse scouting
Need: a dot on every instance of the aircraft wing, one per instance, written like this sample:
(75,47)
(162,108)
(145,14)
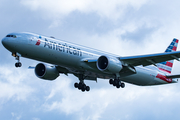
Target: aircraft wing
(150,59)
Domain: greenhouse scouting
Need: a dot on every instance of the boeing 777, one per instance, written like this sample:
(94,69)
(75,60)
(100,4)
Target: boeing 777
(89,64)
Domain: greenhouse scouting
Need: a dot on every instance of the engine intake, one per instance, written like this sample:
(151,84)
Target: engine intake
(108,64)
(46,72)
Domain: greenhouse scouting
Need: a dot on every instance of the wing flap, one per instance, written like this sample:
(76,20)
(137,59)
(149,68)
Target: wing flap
(150,59)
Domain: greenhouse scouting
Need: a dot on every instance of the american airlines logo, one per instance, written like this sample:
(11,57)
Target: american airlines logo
(38,42)
(62,47)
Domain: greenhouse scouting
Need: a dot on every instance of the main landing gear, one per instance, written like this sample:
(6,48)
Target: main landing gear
(18,63)
(117,83)
(81,85)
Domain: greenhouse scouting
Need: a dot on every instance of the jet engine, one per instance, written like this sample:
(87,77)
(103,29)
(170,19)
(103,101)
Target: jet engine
(109,65)
(46,72)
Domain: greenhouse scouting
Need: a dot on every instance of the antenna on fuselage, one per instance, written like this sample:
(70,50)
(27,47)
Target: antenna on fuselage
(52,37)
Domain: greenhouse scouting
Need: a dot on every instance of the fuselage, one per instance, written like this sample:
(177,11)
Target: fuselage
(71,56)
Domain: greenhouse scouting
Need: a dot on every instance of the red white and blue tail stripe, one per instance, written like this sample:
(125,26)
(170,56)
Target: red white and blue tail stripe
(167,65)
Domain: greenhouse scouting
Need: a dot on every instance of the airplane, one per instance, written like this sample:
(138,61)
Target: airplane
(62,57)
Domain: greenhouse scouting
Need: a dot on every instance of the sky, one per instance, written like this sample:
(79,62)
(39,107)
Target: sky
(121,27)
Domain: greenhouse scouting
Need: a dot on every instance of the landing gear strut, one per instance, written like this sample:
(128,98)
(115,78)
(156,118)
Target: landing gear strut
(81,85)
(117,83)
(18,63)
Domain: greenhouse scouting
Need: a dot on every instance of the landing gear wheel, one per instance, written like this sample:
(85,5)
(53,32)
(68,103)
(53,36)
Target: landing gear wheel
(118,86)
(76,85)
(87,88)
(122,85)
(18,64)
(114,84)
(111,81)
(116,81)
(80,86)
(83,87)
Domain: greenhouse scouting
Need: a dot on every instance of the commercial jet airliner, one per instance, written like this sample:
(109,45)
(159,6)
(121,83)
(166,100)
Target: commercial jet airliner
(89,64)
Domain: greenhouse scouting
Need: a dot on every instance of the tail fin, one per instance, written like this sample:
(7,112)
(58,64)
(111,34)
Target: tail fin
(167,65)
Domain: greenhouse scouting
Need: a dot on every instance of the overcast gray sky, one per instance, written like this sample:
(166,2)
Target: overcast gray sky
(122,27)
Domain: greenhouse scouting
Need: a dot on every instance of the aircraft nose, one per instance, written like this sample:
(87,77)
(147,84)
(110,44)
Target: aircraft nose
(4,42)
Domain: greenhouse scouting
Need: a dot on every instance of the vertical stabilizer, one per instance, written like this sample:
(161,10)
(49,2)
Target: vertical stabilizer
(167,65)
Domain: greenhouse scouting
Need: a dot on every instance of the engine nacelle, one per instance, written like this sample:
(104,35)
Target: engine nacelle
(109,65)
(46,72)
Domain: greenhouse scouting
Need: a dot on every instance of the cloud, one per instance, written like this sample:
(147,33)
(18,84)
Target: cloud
(16,116)
(12,85)
(36,119)
(125,103)
(105,8)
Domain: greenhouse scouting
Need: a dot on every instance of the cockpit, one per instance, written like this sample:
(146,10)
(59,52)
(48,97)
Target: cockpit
(13,36)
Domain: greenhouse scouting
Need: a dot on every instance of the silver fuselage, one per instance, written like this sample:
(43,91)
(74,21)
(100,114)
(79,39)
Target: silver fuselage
(71,56)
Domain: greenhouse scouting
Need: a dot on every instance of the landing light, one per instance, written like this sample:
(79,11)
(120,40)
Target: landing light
(14,54)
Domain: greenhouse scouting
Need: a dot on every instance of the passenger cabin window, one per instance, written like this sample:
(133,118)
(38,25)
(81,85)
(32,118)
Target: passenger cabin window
(14,36)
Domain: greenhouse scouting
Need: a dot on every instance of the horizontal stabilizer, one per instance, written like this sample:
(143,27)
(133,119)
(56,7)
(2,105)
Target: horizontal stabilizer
(173,76)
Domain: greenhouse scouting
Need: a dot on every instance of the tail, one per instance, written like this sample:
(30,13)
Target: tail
(167,65)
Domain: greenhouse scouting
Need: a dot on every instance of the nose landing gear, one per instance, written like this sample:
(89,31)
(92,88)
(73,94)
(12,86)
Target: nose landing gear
(17,57)
(18,64)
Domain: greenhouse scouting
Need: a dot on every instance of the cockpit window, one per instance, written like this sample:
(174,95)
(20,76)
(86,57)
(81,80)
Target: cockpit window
(14,36)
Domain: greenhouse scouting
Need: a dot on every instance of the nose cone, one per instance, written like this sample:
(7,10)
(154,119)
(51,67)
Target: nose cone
(4,42)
